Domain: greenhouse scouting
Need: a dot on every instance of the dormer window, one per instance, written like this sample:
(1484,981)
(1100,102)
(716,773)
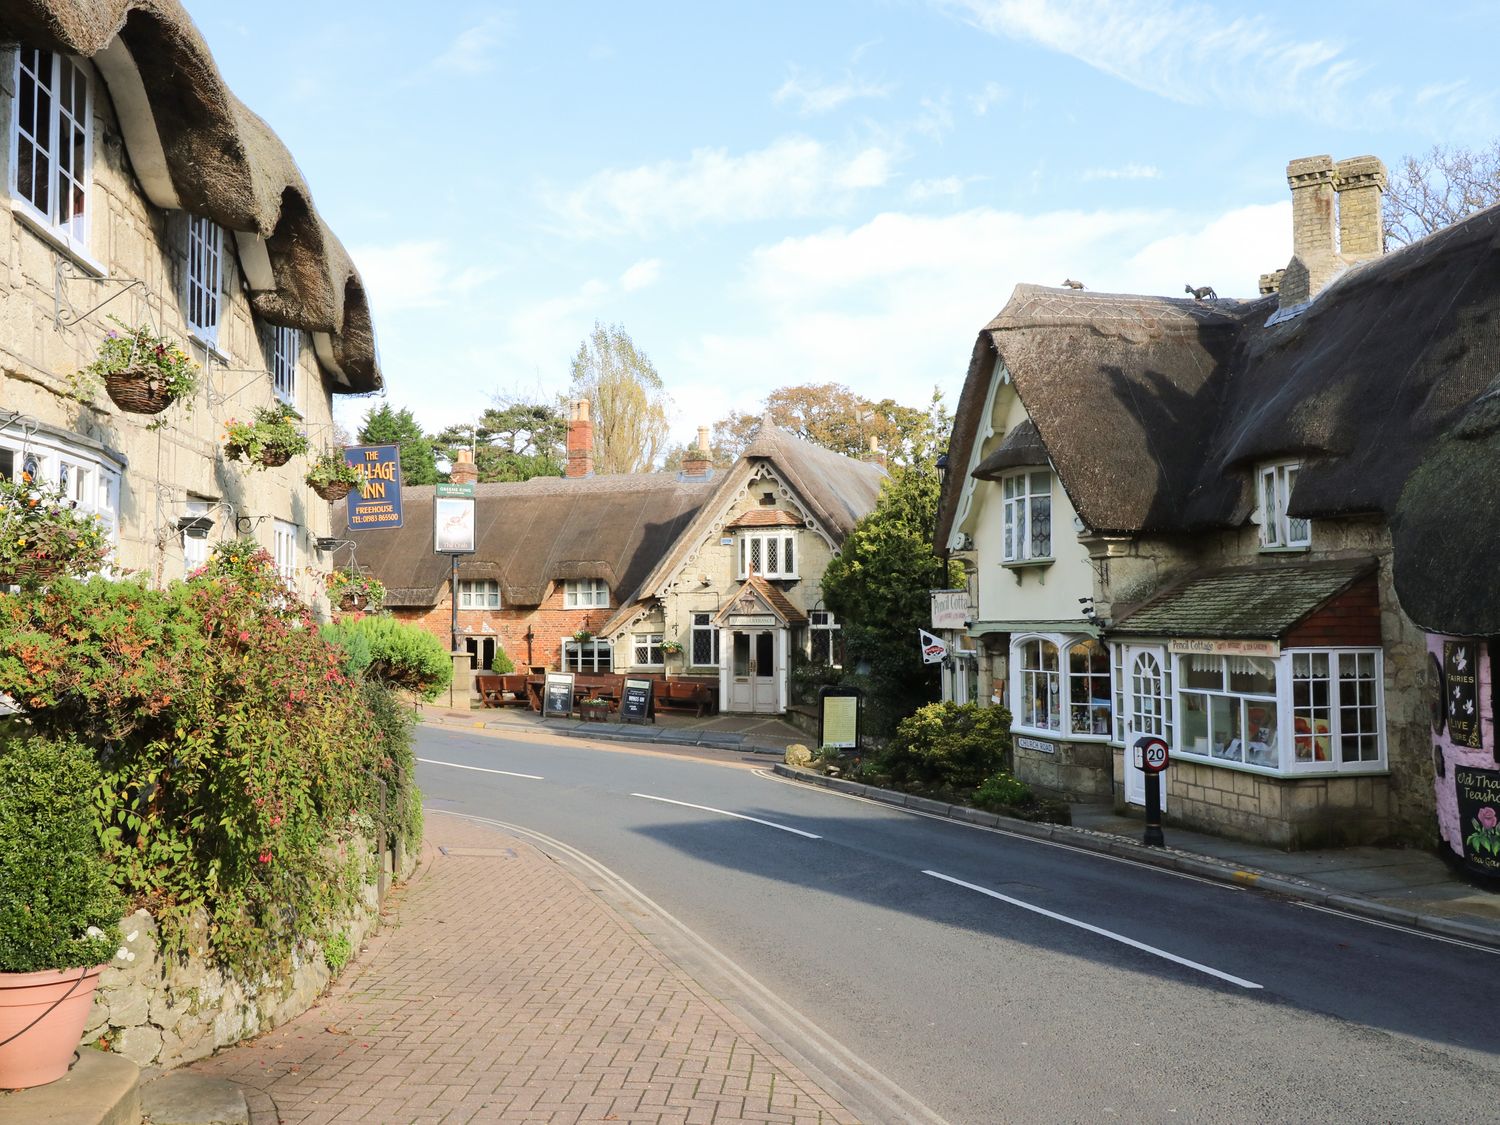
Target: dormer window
(1027,515)
(1278,531)
(770,554)
(585,593)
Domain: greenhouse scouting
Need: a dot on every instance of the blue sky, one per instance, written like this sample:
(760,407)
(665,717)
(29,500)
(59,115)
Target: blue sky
(774,193)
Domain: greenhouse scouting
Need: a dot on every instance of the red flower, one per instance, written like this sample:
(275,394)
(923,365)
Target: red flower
(265,857)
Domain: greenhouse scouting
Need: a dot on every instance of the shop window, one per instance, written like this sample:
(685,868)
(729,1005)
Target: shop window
(647,650)
(1061,686)
(1278,531)
(1336,709)
(50,138)
(1088,688)
(770,554)
(1027,515)
(480,593)
(1229,708)
(593,655)
(1039,696)
(705,641)
(585,593)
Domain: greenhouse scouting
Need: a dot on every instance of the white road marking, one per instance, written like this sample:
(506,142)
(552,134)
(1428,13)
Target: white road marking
(1097,930)
(726,812)
(481,769)
(1399,927)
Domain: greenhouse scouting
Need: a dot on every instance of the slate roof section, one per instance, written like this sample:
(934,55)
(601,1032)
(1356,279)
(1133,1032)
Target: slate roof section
(1022,448)
(195,146)
(1260,602)
(533,533)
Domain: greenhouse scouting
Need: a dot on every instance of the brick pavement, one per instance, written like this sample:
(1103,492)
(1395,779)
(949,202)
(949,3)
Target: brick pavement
(507,991)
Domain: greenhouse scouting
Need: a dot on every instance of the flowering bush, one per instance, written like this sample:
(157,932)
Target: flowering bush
(42,534)
(139,352)
(329,467)
(271,439)
(392,652)
(350,584)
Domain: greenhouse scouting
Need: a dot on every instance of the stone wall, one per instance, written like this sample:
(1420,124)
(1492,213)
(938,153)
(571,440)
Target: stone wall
(1073,771)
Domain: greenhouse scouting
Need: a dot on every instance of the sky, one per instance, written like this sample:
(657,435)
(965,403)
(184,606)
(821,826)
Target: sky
(766,194)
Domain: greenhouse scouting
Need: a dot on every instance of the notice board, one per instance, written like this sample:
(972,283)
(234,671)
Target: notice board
(1461,675)
(1478,795)
(557,694)
(636,706)
(838,719)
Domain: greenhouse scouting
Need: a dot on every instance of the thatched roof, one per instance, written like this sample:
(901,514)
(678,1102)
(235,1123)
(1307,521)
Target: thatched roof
(1021,448)
(532,534)
(195,146)
(840,490)
(1154,409)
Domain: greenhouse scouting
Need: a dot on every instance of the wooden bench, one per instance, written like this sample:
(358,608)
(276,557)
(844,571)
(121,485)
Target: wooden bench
(494,690)
(684,695)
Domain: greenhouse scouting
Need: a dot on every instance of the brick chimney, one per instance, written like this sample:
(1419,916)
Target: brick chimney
(464,471)
(1320,188)
(580,442)
(699,462)
(1360,181)
(875,454)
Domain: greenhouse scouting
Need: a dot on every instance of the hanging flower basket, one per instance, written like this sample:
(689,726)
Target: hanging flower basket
(353,603)
(143,372)
(331,477)
(42,535)
(271,440)
(354,592)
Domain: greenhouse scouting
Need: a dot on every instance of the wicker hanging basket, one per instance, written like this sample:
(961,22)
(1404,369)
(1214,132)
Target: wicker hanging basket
(139,389)
(353,603)
(331,490)
(28,572)
(274,458)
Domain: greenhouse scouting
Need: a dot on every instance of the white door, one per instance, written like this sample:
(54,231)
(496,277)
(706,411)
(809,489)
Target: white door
(753,671)
(1148,703)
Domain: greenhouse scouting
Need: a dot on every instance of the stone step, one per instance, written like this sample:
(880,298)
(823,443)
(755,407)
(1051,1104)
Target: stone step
(181,1097)
(100,1089)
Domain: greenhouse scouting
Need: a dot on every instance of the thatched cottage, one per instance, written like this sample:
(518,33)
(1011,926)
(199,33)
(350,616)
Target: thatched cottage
(142,189)
(1221,523)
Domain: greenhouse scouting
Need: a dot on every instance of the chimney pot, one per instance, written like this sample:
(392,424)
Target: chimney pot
(699,462)
(464,471)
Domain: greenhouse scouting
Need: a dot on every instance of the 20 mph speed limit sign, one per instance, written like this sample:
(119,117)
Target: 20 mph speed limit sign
(1150,754)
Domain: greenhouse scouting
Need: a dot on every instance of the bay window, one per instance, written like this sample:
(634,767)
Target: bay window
(1061,686)
(1027,516)
(1228,708)
(770,554)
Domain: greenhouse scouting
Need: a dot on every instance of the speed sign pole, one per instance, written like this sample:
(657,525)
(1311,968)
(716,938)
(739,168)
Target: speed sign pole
(1151,758)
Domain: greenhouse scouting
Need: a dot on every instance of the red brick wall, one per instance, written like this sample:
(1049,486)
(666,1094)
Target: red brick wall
(1351,619)
(550,623)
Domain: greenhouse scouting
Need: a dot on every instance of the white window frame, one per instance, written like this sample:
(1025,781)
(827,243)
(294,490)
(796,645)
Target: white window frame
(585,593)
(575,652)
(94,483)
(195,549)
(46,71)
(204,279)
(703,625)
(780,543)
(1062,646)
(1338,713)
(1284,763)
(646,650)
(285,346)
(284,549)
(1273,490)
(478,593)
(820,621)
(1024,496)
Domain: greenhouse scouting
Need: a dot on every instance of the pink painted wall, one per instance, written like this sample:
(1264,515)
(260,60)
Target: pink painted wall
(1484,758)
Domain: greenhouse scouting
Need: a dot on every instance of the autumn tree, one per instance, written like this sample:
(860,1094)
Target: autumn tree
(385,426)
(833,416)
(513,440)
(1435,190)
(628,403)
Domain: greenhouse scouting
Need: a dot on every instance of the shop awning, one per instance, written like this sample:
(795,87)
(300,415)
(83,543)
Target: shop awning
(1259,602)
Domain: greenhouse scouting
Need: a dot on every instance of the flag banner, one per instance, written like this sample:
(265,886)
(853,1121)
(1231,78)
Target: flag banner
(934,651)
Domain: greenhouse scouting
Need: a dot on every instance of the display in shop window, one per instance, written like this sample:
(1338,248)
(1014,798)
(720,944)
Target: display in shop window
(1460,674)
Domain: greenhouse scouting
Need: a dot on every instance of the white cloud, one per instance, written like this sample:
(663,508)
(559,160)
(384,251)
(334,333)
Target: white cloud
(415,274)
(938,188)
(989,97)
(936,118)
(793,176)
(641,274)
(1197,55)
(1124,172)
(813,95)
(472,50)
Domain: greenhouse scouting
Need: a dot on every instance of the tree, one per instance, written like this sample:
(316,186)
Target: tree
(878,587)
(628,403)
(833,416)
(385,426)
(512,441)
(1435,190)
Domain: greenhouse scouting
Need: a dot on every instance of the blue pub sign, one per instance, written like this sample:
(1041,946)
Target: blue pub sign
(376,503)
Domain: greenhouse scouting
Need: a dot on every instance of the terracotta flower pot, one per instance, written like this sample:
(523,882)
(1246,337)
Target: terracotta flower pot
(45,1013)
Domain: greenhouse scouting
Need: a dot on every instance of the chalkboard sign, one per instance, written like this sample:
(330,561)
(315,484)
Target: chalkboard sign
(1478,793)
(557,694)
(636,706)
(1461,675)
(838,724)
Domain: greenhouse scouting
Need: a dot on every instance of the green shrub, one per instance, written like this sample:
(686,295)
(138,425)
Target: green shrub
(948,744)
(402,655)
(1002,791)
(58,909)
(502,665)
(336,952)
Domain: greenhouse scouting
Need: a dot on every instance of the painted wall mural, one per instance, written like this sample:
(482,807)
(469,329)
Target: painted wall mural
(1466,773)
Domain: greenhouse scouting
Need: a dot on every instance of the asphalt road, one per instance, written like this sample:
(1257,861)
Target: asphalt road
(998,978)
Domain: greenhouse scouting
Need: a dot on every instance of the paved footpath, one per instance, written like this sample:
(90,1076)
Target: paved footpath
(507,991)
